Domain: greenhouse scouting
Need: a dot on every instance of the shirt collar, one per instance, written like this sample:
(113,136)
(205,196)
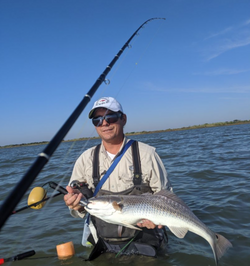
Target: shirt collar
(103,150)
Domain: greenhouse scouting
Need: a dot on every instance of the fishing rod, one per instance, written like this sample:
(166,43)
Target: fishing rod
(22,186)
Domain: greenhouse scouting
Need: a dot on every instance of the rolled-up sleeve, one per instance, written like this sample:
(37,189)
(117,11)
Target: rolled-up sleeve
(82,172)
(159,177)
(153,169)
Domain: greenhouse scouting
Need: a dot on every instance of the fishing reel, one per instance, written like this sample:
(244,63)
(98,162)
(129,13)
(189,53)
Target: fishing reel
(37,195)
(83,188)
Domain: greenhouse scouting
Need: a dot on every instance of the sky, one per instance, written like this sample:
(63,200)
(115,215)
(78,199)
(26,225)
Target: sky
(189,69)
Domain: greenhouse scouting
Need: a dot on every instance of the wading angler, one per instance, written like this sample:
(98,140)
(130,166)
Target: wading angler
(117,166)
(124,186)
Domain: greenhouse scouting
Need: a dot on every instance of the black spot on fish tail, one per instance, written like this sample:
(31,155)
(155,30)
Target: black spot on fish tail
(220,246)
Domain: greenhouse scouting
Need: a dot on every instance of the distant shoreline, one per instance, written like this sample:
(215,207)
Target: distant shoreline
(206,125)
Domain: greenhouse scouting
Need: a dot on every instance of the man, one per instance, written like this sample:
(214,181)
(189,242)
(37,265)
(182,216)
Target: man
(139,170)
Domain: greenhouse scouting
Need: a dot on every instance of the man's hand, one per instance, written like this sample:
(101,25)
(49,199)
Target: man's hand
(73,198)
(148,224)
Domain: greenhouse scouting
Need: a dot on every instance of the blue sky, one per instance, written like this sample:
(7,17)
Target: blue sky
(192,68)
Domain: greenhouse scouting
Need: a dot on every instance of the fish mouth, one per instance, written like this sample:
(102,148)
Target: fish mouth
(102,205)
(87,208)
(97,205)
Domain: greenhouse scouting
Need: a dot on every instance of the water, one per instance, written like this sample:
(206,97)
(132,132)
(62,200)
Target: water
(209,169)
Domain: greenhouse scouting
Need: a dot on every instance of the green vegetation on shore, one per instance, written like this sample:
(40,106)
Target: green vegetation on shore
(218,124)
(206,125)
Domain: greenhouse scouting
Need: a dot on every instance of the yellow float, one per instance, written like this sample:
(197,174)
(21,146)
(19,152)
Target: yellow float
(37,194)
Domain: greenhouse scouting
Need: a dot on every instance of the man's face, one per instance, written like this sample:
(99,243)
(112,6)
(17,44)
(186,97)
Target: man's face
(113,132)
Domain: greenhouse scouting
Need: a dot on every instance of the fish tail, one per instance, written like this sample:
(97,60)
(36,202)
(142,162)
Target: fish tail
(220,246)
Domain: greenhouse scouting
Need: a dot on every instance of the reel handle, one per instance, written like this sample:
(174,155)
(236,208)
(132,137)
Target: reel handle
(55,186)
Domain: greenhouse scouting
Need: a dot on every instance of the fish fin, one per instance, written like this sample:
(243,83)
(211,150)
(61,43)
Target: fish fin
(130,226)
(180,232)
(220,247)
(116,206)
(172,196)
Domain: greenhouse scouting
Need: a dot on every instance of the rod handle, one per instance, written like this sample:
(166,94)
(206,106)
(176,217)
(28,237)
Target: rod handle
(19,256)
(25,255)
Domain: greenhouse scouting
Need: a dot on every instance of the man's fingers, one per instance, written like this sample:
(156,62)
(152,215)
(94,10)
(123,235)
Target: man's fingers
(146,223)
(70,189)
(72,199)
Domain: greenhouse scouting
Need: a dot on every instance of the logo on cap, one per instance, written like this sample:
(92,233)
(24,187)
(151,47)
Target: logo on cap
(102,101)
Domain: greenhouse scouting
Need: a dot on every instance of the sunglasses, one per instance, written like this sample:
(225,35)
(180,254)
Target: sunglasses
(109,118)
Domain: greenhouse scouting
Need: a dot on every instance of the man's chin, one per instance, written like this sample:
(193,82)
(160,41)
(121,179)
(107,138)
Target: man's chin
(107,136)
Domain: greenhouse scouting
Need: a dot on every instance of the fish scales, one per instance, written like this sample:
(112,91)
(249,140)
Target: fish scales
(158,205)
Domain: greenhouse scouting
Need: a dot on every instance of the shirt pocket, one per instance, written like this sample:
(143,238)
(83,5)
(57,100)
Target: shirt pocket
(125,181)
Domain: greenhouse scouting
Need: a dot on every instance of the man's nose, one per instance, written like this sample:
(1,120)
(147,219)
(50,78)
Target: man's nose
(104,123)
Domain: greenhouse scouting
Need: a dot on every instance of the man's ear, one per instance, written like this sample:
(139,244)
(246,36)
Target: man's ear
(124,119)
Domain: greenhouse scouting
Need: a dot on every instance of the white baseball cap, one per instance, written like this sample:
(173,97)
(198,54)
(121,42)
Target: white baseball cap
(109,103)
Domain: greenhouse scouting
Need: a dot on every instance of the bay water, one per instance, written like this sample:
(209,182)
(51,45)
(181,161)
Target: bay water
(209,169)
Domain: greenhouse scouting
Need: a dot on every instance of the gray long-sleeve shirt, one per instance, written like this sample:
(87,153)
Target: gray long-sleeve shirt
(153,171)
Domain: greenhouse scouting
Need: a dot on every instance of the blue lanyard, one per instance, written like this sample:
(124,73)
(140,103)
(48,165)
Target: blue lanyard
(110,170)
(112,167)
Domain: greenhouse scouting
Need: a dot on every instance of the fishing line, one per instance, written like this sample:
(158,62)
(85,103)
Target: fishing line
(86,142)
(121,62)
(66,174)
(84,125)
(141,55)
(131,47)
(21,188)
(102,91)
(150,42)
